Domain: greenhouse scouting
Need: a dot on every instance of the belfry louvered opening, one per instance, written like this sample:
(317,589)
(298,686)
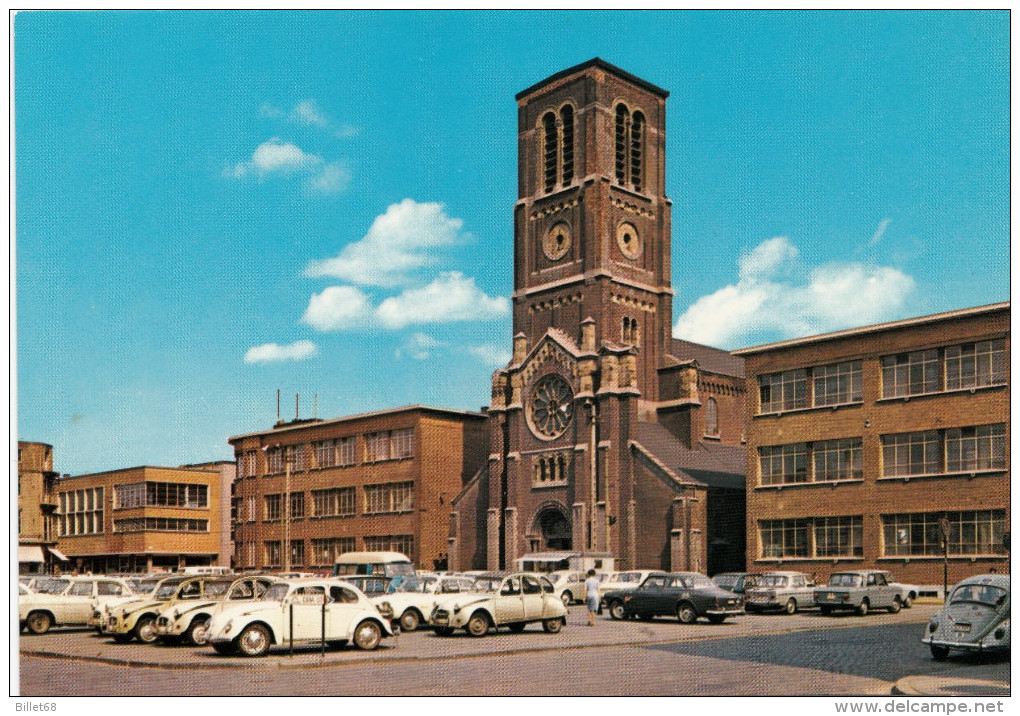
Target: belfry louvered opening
(567,120)
(549,124)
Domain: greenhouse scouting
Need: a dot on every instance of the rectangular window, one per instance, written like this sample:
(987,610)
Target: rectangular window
(785,538)
(391,543)
(297,505)
(377,447)
(335,502)
(162,494)
(160,524)
(838,460)
(296,457)
(389,498)
(783,464)
(839,536)
(129,495)
(297,553)
(837,384)
(274,461)
(325,453)
(345,448)
(274,507)
(403,443)
(978,448)
(779,392)
(911,454)
(82,512)
(326,550)
(974,365)
(250,513)
(274,556)
(978,532)
(912,373)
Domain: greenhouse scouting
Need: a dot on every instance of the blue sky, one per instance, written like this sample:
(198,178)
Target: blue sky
(211,206)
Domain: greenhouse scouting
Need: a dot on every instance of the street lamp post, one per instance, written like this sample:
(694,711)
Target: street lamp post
(288,459)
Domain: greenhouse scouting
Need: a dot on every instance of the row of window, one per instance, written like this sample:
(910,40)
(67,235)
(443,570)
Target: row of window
(160,524)
(386,498)
(931,452)
(323,551)
(969,365)
(971,533)
(81,512)
(341,452)
(161,494)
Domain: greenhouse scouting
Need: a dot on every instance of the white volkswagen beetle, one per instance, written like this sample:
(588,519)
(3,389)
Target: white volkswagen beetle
(976,618)
(302,611)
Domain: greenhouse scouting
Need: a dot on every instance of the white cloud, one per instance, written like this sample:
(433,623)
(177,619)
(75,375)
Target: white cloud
(276,156)
(346,130)
(450,297)
(332,179)
(337,308)
(274,353)
(268,110)
(396,244)
(307,112)
(491,355)
(880,231)
(763,306)
(419,346)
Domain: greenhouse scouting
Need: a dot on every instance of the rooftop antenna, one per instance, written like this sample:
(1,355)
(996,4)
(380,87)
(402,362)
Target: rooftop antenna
(315,414)
(297,406)
(277,405)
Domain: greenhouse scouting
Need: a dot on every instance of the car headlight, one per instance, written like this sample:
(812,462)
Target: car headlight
(386,609)
(933,626)
(227,626)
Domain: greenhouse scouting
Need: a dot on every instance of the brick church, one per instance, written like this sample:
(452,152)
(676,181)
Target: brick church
(606,433)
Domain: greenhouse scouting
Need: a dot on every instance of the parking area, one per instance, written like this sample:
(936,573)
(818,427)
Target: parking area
(86,645)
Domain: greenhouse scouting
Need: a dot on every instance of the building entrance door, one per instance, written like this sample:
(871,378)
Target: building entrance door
(555,526)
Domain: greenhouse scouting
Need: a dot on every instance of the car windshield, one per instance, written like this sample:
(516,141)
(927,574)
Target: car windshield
(275,593)
(52,586)
(979,593)
(215,590)
(166,591)
(144,586)
(772,580)
(487,584)
(845,580)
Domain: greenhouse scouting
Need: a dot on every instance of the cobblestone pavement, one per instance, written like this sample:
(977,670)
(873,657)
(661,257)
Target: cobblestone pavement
(752,655)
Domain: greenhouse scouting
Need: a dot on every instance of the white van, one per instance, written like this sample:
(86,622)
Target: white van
(383,564)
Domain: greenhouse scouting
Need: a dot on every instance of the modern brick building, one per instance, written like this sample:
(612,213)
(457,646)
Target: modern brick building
(143,519)
(861,442)
(37,505)
(607,434)
(378,481)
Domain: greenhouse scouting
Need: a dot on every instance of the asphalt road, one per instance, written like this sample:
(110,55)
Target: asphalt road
(824,656)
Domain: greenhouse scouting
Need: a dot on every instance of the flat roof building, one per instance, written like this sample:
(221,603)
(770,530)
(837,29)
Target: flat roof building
(865,445)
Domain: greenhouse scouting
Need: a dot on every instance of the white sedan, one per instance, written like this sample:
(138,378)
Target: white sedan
(66,601)
(302,611)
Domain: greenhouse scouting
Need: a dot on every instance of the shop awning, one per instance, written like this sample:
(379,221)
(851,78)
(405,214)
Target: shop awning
(30,553)
(58,554)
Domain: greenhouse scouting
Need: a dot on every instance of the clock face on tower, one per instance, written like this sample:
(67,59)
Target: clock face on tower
(550,406)
(628,240)
(557,241)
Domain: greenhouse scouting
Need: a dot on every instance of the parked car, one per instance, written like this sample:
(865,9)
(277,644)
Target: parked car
(302,605)
(141,589)
(569,585)
(137,619)
(860,591)
(736,582)
(976,618)
(908,592)
(66,601)
(781,591)
(185,617)
(370,584)
(687,595)
(613,581)
(520,599)
(22,590)
(415,598)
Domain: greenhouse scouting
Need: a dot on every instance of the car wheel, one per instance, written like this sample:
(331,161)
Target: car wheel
(224,647)
(791,606)
(123,638)
(686,613)
(410,620)
(553,626)
(717,618)
(444,631)
(862,610)
(368,635)
(517,627)
(198,633)
(478,624)
(908,602)
(566,599)
(145,629)
(826,611)
(616,610)
(254,640)
(939,653)
(39,622)
(896,605)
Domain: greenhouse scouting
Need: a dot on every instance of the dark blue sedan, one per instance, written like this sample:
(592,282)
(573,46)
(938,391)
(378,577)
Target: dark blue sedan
(686,595)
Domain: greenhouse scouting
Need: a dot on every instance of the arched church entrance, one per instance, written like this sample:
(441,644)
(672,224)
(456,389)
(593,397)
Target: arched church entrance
(554,526)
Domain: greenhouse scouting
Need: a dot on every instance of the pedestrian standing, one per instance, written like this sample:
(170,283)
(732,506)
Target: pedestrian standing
(591,594)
